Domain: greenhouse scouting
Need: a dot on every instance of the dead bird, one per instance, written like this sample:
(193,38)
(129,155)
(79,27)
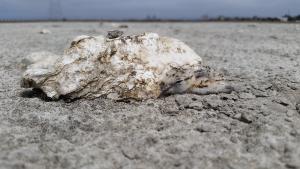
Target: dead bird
(120,67)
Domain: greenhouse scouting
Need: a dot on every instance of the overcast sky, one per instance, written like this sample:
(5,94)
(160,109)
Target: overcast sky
(126,9)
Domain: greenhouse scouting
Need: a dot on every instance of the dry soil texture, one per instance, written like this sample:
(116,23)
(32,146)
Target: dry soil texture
(257,126)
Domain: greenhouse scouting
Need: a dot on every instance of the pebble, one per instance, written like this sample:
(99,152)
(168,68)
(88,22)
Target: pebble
(114,34)
(183,101)
(288,119)
(204,128)
(123,26)
(237,116)
(276,108)
(298,107)
(274,143)
(45,31)
(290,113)
(211,113)
(247,117)
(170,109)
(265,110)
(188,102)
(213,102)
(259,93)
(293,87)
(229,97)
(294,132)
(196,106)
(130,152)
(247,96)
(233,139)
(283,101)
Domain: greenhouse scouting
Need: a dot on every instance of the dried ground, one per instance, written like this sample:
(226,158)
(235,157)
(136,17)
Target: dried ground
(257,126)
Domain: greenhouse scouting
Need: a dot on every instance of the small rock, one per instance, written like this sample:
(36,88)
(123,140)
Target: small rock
(273,37)
(229,97)
(226,111)
(173,150)
(45,31)
(274,142)
(151,140)
(246,117)
(247,96)
(169,109)
(294,132)
(177,164)
(252,26)
(130,153)
(292,86)
(283,101)
(259,93)
(233,139)
(292,165)
(213,102)
(265,110)
(204,128)
(288,119)
(114,34)
(290,113)
(183,100)
(298,107)
(196,106)
(275,108)
(211,113)
(237,116)
(123,26)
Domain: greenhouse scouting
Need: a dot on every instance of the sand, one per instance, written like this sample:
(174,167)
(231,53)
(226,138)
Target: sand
(256,126)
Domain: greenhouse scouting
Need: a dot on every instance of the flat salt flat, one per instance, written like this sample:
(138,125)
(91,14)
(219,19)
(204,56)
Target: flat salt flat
(257,126)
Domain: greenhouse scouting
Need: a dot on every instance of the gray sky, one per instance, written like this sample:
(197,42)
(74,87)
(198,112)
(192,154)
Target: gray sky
(137,9)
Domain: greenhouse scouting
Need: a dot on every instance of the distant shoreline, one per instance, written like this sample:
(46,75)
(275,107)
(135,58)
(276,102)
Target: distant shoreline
(145,21)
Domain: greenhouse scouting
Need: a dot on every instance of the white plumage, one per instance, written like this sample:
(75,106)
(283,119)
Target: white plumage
(126,67)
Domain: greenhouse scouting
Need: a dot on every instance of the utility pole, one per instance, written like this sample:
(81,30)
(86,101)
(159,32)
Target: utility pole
(55,10)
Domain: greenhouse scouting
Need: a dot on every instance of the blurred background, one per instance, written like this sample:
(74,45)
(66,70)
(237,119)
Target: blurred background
(22,10)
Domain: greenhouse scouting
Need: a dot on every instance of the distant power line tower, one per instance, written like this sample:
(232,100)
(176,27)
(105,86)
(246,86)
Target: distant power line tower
(55,10)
